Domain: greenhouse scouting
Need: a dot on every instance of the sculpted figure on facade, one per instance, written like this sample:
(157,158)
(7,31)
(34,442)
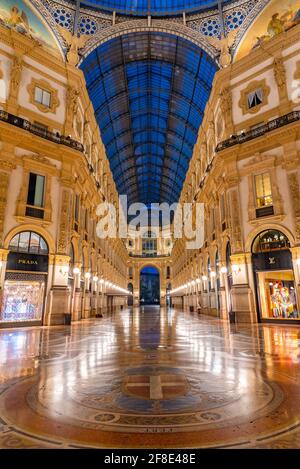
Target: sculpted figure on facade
(280,76)
(75,43)
(15,76)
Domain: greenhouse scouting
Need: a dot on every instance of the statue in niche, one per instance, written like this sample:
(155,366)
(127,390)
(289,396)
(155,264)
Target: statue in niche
(224,46)
(74,43)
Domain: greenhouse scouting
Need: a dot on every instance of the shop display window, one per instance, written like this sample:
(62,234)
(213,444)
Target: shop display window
(277,295)
(22,301)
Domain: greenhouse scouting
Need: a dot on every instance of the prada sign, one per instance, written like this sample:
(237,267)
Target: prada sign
(27,262)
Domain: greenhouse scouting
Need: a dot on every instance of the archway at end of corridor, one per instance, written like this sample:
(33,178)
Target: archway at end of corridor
(149,286)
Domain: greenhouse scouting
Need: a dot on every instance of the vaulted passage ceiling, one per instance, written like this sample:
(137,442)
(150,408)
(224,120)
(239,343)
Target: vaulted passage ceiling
(149,92)
(153,7)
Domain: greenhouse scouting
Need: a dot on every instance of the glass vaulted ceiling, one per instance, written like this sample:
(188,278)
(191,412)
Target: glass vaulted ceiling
(149,92)
(153,7)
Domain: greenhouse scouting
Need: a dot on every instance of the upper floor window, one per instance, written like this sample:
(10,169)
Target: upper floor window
(35,196)
(263,190)
(42,96)
(255,98)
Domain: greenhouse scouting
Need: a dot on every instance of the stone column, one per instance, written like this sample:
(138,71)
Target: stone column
(241,294)
(86,311)
(76,300)
(60,293)
(224,293)
(94,298)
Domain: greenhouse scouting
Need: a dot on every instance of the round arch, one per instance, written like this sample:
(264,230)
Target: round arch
(29,227)
(161,26)
(150,264)
(254,233)
(75,244)
(223,248)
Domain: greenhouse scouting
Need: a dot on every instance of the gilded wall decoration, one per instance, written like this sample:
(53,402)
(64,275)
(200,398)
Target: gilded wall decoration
(276,18)
(15,76)
(4,182)
(293,179)
(280,77)
(64,226)
(20,16)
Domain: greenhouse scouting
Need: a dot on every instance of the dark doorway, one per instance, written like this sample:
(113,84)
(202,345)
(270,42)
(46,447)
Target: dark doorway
(149,286)
(130,297)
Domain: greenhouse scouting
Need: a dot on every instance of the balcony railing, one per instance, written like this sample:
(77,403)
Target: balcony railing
(55,137)
(259,131)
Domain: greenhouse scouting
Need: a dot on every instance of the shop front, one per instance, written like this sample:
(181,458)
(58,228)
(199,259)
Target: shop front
(274,278)
(25,281)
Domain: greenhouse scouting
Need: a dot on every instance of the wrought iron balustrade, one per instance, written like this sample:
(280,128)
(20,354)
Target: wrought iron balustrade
(259,131)
(55,137)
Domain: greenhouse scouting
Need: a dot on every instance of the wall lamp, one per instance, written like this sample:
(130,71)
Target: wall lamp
(64,270)
(236,269)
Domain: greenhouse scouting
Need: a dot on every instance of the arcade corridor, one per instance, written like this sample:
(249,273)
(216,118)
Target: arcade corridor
(150,377)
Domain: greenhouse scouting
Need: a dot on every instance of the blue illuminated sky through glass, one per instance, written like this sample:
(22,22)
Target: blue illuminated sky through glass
(155,7)
(149,92)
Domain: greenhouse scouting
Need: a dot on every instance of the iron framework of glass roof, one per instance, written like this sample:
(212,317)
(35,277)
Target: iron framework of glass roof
(153,7)
(149,91)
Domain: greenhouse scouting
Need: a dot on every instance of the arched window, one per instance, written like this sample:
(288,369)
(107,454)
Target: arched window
(270,240)
(28,242)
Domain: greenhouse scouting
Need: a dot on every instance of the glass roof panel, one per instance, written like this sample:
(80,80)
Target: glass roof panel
(155,7)
(149,91)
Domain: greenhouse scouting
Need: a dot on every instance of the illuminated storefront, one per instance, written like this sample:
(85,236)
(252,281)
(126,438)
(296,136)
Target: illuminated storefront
(274,277)
(25,280)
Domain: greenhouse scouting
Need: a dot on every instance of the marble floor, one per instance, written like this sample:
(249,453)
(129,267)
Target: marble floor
(150,378)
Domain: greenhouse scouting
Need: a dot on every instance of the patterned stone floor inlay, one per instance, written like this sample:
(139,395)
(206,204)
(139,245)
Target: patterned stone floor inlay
(150,377)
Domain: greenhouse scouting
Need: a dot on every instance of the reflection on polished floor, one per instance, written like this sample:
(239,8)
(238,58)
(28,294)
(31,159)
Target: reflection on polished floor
(150,378)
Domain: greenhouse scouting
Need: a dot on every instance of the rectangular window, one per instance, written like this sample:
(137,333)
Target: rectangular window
(35,196)
(255,98)
(263,190)
(42,96)
(36,190)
